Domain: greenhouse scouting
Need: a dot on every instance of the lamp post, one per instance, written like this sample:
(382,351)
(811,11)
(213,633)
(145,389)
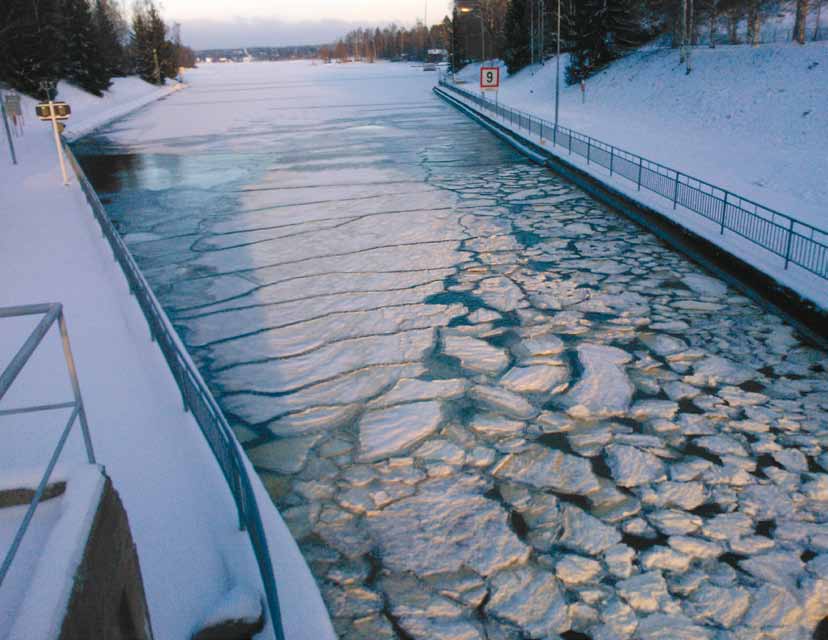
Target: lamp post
(558,71)
(467,10)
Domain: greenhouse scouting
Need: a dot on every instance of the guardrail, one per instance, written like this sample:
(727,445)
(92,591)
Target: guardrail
(197,398)
(51,313)
(795,242)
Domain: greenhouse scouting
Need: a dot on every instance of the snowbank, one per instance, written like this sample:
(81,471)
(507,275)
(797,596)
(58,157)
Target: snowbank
(752,120)
(42,611)
(90,112)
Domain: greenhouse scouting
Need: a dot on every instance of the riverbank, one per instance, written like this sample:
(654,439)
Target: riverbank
(184,523)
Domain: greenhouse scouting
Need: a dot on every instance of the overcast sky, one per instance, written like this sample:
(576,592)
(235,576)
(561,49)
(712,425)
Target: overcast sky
(219,24)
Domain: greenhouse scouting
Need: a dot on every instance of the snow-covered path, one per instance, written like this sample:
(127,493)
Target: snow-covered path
(180,510)
(487,406)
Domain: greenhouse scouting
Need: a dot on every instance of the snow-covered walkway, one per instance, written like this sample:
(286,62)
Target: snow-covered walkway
(181,513)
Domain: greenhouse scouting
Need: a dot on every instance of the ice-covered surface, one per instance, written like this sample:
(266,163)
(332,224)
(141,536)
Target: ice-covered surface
(333,243)
(182,516)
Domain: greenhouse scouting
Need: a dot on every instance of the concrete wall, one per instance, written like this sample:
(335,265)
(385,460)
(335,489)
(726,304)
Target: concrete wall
(108,599)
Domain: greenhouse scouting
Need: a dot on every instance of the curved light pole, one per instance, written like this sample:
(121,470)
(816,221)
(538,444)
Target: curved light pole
(466,10)
(558,71)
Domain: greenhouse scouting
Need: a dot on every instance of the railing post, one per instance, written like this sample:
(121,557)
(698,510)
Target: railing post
(73,378)
(640,167)
(541,130)
(790,241)
(555,137)
(589,148)
(570,142)
(675,193)
(612,158)
(724,212)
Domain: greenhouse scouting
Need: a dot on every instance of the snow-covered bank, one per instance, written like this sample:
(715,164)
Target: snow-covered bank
(90,112)
(805,283)
(193,557)
(752,120)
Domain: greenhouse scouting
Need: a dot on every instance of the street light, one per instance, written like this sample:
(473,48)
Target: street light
(558,71)
(465,10)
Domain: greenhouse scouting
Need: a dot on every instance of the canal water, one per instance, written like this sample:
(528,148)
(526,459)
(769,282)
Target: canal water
(487,406)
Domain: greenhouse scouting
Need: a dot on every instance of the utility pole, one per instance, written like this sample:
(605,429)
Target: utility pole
(482,36)
(558,71)
(532,31)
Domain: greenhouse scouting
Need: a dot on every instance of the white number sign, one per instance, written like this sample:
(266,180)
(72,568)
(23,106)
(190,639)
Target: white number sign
(489,77)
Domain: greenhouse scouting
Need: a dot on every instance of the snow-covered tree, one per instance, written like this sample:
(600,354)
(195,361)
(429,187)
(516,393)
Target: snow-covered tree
(516,49)
(31,42)
(83,63)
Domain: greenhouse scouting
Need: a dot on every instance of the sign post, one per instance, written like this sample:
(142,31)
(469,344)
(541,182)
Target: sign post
(55,111)
(490,79)
(8,131)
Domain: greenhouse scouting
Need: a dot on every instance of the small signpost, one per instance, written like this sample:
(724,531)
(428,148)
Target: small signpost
(490,79)
(55,111)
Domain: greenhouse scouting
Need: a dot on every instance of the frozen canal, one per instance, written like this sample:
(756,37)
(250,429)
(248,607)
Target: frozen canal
(488,407)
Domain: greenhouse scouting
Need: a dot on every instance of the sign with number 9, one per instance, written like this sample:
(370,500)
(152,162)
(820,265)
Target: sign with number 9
(489,77)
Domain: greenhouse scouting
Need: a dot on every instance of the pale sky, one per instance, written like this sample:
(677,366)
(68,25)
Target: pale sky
(238,23)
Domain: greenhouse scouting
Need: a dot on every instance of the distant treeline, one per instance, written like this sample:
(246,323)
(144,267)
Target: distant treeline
(389,43)
(594,32)
(87,42)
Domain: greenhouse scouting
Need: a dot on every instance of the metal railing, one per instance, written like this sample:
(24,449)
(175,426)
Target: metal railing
(51,313)
(795,242)
(197,399)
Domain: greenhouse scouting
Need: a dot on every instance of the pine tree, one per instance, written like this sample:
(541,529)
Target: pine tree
(31,40)
(601,31)
(109,29)
(516,52)
(154,56)
(83,64)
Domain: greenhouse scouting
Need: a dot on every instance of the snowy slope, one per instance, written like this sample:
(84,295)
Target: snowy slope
(753,120)
(89,112)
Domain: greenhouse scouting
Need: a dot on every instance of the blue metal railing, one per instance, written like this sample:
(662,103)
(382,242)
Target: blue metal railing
(51,313)
(795,242)
(197,399)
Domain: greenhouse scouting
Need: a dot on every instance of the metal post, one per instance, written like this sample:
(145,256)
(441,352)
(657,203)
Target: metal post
(482,36)
(589,148)
(640,167)
(73,377)
(8,131)
(558,71)
(675,193)
(57,143)
(724,212)
(570,142)
(790,241)
(612,158)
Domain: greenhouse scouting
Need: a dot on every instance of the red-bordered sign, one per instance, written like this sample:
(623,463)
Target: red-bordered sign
(489,77)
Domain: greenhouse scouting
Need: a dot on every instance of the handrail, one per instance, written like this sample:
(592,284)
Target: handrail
(51,313)
(794,241)
(197,398)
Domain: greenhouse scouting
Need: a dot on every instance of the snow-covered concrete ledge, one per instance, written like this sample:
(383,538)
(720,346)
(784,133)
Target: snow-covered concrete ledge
(807,287)
(193,558)
(43,606)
